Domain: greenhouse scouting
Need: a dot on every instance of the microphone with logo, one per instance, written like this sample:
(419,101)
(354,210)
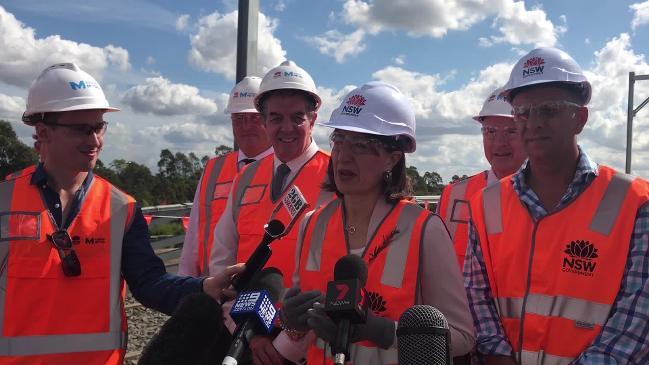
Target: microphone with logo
(272,231)
(423,337)
(345,302)
(192,335)
(254,312)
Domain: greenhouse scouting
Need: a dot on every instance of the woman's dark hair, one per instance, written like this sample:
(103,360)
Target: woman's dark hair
(399,187)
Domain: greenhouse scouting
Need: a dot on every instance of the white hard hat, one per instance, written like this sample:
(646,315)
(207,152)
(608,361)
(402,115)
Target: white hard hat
(495,106)
(63,87)
(243,95)
(544,65)
(377,108)
(287,75)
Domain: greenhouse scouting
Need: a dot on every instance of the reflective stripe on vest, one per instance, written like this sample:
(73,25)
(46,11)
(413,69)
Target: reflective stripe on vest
(554,298)
(252,208)
(392,255)
(121,209)
(455,210)
(218,171)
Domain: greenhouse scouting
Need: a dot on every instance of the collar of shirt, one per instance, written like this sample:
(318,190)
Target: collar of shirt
(491,177)
(297,163)
(53,200)
(585,173)
(243,156)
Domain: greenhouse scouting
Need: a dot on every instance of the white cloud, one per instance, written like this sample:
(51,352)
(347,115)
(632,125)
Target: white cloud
(518,25)
(214,45)
(181,22)
(11,107)
(339,45)
(24,56)
(161,97)
(280,5)
(400,60)
(150,60)
(640,14)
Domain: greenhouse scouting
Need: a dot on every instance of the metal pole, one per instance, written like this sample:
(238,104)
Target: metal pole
(629,124)
(247,34)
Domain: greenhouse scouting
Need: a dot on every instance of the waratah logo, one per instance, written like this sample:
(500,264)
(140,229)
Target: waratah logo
(581,260)
(534,61)
(581,249)
(277,74)
(236,94)
(357,100)
(376,302)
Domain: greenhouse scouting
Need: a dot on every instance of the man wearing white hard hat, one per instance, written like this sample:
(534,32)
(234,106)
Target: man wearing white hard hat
(214,186)
(408,252)
(68,239)
(282,186)
(556,268)
(504,152)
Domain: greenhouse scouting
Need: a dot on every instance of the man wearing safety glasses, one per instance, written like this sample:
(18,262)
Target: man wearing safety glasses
(505,154)
(69,238)
(556,268)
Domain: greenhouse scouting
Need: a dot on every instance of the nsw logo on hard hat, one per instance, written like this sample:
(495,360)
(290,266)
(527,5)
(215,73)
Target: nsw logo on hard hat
(243,94)
(533,66)
(353,105)
(580,260)
(83,84)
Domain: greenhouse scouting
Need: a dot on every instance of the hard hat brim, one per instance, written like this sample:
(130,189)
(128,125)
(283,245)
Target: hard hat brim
(351,128)
(479,118)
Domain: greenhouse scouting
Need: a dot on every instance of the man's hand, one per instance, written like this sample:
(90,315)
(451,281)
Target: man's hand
(296,304)
(321,324)
(218,286)
(263,351)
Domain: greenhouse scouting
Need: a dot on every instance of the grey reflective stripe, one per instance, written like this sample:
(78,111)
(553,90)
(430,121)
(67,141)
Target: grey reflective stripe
(493,213)
(575,309)
(6,191)
(211,184)
(543,358)
(397,256)
(314,259)
(365,355)
(242,183)
(323,198)
(59,344)
(56,344)
(458,192)
(611,204)
(119,207)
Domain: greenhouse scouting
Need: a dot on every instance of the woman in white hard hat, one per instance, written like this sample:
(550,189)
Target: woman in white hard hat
(408,252)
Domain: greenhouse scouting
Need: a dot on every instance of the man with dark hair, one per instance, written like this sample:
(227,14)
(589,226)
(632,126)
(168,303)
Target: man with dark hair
(556,268)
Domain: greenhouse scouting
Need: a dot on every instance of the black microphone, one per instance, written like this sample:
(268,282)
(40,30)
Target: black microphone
(423,337)
(194,330)
(346,302)
(272,231)
(254,312)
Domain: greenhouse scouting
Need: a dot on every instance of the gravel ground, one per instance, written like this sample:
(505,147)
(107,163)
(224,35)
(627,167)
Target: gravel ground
(143,323)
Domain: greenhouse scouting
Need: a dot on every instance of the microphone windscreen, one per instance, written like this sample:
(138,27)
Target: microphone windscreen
(274,228)
(351,267)
(423,337)
(188,335)
(270,279)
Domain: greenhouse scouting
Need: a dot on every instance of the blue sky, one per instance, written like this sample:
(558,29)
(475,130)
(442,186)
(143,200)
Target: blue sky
(170,64)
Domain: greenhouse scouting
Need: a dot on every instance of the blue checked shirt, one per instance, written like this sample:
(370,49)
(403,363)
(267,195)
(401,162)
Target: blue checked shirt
(625,336)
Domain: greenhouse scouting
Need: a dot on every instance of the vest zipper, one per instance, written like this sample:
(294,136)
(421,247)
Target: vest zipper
(521,331)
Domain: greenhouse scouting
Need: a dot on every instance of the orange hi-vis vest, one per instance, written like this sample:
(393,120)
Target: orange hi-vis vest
(454,209)
(215,189)
(46,317)
(27,170)
(253,207)
(392,257)
(554,281)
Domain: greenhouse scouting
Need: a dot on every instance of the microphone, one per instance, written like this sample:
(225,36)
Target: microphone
(190,335)
(423,337)
(346,302)
(254,311)
(272,231)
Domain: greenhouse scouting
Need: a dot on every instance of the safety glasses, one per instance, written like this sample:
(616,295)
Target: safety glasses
(359,145)
(542,111)
(69,260)
(490,132)
(84,130)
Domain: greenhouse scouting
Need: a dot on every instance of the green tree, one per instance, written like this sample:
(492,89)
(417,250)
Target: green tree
(433,182)
(14,155)
(222,150)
